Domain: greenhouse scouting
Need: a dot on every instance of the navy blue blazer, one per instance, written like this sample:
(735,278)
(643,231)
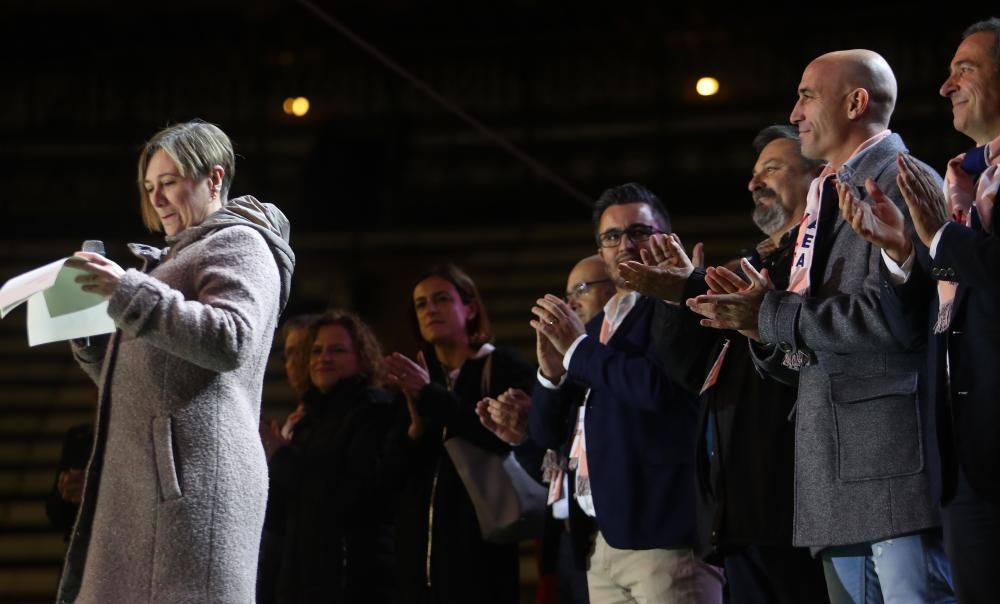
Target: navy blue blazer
(968,416)
(640,428)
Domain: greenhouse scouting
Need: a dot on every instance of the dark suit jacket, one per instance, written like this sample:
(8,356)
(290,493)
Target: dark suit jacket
(745,487)
(640,429)
(968,413)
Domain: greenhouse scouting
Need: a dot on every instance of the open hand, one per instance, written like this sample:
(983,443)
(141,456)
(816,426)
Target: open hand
(664,269)
(881,223)
(410,376)
(925,200)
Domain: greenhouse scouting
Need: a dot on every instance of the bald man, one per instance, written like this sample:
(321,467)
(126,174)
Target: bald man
(864,450)
(589,287)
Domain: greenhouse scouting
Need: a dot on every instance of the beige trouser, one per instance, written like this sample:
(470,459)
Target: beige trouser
(652,576)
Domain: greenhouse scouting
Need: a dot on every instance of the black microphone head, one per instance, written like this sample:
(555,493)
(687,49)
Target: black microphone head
(95,246)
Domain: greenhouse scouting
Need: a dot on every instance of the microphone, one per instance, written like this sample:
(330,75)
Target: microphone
(95,246)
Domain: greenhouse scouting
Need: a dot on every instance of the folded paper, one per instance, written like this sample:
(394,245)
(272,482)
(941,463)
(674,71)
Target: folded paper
(57,308)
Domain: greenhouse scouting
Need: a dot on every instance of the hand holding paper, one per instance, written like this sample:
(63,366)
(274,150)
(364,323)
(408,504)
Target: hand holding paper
(100,275)
(58,307)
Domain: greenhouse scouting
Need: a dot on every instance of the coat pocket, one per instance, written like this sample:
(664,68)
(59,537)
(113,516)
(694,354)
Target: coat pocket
(163,452)
(877,426)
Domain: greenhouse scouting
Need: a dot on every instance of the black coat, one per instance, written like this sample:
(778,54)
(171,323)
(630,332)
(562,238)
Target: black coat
(462,567)
(336,544)
(961,376)
(745,485)
(77,443)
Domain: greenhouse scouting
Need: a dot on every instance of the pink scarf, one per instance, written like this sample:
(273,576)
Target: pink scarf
(798,279)
(962,195)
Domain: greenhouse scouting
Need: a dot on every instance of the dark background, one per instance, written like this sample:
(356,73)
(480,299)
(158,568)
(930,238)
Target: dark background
(378,179)
(600,93)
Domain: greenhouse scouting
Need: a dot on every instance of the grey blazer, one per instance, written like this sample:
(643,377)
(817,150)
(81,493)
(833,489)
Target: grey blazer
(862,445)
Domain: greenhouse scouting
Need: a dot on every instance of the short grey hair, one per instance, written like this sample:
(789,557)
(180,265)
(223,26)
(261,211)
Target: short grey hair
(195,148)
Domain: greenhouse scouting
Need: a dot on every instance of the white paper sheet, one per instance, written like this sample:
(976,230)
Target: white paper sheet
(21,287)
(57,308)
(44,328)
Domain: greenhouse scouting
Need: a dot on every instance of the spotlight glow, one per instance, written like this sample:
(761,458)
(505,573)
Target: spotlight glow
(297,106)
(707,86)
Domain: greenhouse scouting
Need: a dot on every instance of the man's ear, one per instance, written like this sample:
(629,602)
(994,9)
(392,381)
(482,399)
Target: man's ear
(857,103)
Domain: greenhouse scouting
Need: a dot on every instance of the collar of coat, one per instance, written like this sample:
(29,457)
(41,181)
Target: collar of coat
(265,218)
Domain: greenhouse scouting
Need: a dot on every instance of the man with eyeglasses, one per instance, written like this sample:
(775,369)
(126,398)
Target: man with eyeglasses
(744,454)
(633,438)
(563,559)
(588,287)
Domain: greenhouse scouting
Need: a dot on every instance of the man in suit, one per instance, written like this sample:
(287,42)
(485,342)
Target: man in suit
(862,449)
(745,440)
(562,554)
(949,300)
(588,289)
(632,453)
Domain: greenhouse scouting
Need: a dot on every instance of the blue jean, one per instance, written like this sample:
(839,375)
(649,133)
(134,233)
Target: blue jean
(901,570)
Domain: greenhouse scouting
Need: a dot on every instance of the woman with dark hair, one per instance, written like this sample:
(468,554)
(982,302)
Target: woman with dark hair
(441,557)
(337,541)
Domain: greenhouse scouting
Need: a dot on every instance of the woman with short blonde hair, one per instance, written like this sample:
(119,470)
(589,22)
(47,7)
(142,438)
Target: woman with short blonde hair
(177,483)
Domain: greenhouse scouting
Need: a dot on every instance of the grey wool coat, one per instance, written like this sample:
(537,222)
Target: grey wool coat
(865,457)
(177,483)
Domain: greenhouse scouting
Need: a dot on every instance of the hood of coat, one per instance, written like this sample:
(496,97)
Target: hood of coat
(265,218)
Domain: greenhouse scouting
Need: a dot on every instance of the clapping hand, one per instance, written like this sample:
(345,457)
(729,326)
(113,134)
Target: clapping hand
(924,199)
(549,359)
(557,322)
(410,376)
(664,269)
(270,437)
(881,223)
(735,302)
(507,415)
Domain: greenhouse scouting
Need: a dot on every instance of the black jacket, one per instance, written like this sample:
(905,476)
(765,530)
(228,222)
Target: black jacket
(961,376)
(745,484)
(77,443)
(462,567)
(337,531)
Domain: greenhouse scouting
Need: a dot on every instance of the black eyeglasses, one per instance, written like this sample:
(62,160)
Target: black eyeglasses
(637,233)
(580,289)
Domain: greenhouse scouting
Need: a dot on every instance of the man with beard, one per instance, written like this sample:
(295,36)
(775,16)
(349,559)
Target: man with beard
(776,185)
(633,441)
(744,454)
